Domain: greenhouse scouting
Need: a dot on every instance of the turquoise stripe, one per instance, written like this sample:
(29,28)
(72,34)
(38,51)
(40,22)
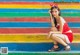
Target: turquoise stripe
(33,25)
(35,46)
(39,10)
(30,0)
(39,0)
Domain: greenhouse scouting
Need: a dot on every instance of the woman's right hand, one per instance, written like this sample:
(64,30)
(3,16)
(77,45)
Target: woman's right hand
(50,12)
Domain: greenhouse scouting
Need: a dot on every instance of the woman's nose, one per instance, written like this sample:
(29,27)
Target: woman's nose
(54,13)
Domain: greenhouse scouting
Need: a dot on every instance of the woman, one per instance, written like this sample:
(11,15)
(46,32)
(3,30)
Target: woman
(60,31)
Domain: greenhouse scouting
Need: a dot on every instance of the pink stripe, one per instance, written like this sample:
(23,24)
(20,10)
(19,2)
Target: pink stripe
(30,30)
(46,19)
(35,3)
(31,3)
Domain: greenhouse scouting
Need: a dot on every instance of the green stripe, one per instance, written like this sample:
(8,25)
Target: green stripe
(43,54)
(70,14)
(36,15)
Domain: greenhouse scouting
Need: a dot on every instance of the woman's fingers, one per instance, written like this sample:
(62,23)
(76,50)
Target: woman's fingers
(50,33)
(54,29)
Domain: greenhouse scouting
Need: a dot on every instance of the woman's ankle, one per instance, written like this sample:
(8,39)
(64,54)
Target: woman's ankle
(55,46)
(67,48)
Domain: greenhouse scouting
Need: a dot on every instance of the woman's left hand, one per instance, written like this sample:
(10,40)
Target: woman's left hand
(54,29)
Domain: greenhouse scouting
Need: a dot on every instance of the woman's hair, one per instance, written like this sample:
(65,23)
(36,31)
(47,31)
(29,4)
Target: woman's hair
(55,7)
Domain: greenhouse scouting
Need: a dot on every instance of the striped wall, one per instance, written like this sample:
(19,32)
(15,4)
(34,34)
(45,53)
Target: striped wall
(25,23)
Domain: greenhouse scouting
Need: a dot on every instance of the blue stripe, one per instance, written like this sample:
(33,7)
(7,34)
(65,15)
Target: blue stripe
(39,0)
(72,1)
(32,24)
(38,10)
(70,10)
(24,24)
(76,25)
(35,46)
(30,0)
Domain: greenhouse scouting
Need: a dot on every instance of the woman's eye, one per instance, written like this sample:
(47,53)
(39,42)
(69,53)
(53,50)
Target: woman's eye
(55,11)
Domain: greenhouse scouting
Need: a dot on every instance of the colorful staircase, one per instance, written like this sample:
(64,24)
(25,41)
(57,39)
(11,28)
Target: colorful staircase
(24,25)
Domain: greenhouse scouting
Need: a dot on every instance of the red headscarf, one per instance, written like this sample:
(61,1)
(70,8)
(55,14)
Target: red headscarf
(53,4)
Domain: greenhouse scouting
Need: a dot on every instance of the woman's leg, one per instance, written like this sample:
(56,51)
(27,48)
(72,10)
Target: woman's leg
(55,44)
(59,40)
(55,47)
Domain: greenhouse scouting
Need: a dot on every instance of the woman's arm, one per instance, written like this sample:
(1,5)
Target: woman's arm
(61,27)
(51,20)
(53,28)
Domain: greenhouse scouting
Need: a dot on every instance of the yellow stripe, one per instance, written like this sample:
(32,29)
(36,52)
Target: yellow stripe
(23,38)
(38,6)
(18,38)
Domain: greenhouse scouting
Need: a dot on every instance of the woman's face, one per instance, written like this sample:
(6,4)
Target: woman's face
(55,12)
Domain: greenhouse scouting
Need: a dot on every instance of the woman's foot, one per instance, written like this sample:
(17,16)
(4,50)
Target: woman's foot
(54,48)
(67,48)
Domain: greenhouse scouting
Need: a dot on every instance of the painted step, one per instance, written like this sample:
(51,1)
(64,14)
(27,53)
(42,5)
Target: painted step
(40,5)
(29,38)
(40,0)
(2,10)
(37,19)
(30,30)
(16,15)
(36,46)
(34,24)
(46,53)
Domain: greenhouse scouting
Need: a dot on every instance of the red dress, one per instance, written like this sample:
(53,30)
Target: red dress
(66,30)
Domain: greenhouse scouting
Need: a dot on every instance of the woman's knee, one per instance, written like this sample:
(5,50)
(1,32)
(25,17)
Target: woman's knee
(53,36)
(50,33)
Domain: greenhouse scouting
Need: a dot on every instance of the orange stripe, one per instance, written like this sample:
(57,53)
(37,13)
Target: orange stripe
(23,30)
(43,19)
(72,19)
(75,30)
(30,30)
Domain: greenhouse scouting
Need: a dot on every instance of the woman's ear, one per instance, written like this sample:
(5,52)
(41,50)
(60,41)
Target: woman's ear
(50,12)
(59,13)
